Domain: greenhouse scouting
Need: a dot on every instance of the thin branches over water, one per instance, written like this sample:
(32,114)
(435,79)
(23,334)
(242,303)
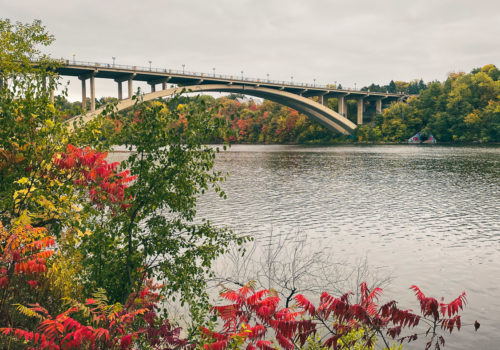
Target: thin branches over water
(294,264)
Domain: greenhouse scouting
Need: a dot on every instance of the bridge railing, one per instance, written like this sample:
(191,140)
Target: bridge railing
(201,75)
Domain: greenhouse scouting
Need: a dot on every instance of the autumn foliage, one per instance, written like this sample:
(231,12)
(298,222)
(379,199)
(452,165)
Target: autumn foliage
(90,170)
(23,254)
(250,316)
(104,326)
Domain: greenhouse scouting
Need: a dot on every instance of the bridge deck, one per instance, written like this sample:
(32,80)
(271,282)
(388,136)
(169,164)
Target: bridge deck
(157,76)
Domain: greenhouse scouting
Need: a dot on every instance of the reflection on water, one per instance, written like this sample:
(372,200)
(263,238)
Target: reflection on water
(430,214)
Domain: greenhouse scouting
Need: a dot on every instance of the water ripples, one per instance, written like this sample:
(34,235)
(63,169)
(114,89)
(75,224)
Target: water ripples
(430,214)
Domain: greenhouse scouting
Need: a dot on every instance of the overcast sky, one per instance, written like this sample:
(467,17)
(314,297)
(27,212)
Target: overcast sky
(357,41)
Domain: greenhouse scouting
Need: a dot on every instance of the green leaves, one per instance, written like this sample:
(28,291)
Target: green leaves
(460,109)
(158,235)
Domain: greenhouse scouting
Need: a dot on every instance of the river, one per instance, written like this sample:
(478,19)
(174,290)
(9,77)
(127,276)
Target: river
(428,216)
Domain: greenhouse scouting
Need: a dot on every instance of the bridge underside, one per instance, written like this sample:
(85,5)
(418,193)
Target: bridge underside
(325,116)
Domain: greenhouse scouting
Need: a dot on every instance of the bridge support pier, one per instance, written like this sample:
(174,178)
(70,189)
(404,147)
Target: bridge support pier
(92,93)
(360,110)
(153,87)
(378,106)
(120,91)
(84,94)
(164,85)
(323,99)
(342,106)
(130,91)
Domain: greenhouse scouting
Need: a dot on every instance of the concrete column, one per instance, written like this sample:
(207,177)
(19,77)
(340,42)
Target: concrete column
(130,91)
(153,87)
(84,95)
(378,106)
(342,106)
(320,99)
(120,91)
(164,85)
(325,99)
(92,93)
(360,111)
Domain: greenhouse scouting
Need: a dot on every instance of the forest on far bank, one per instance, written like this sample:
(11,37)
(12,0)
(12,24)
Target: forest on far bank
(464,108)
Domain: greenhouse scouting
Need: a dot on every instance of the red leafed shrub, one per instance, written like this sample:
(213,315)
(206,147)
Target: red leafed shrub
(92,171)
(104,326)
(24,251)
(251,314)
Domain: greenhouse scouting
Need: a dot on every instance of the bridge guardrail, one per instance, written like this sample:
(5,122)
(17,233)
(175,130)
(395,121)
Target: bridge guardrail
(198,74)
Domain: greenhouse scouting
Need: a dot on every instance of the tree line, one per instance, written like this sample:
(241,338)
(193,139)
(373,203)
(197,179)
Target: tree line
(464,108)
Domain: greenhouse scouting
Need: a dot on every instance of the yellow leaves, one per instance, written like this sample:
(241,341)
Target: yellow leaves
(23,219)
(81,234)
(157,104)
(46,165)
(51,108)
(28,312)
(180,107)
(49,123)
(22,180)
(472,118)
(20,195)
(46,204)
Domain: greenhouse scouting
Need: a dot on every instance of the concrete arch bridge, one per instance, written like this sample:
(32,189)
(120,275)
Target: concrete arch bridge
(291,94)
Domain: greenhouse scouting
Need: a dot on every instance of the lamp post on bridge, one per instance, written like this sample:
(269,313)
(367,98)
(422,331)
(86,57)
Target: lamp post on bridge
(149,65)
(241,75)
(113,60)
(314,82)
(292,79)
(183,65)
(354,86)
(74,58)
(214,71)
(335,82)
(267,77)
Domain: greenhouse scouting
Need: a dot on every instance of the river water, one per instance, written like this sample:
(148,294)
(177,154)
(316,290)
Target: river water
(428,216)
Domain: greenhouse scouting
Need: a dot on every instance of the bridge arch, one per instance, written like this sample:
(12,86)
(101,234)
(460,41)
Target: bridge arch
(325,116)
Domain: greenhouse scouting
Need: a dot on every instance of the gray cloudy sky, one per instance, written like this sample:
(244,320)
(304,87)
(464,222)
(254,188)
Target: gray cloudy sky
(357,41)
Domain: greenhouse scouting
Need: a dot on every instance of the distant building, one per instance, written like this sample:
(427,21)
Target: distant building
(420,138)
(246,99)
